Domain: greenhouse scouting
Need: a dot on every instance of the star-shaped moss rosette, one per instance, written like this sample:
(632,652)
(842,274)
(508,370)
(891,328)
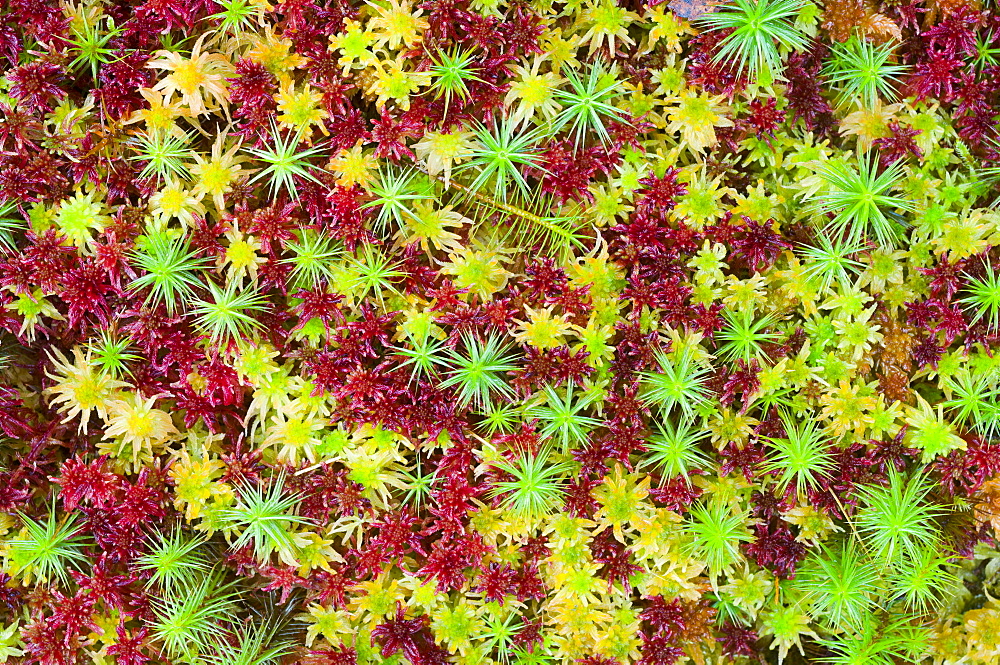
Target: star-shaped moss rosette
(499,332)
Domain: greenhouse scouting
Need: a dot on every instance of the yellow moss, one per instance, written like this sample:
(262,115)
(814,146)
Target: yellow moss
(194,484)
(695,117)
(134,423)
(622,502)
(201,80)
(80,388)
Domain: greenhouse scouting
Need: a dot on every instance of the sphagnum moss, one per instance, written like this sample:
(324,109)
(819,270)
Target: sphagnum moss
(499,332)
